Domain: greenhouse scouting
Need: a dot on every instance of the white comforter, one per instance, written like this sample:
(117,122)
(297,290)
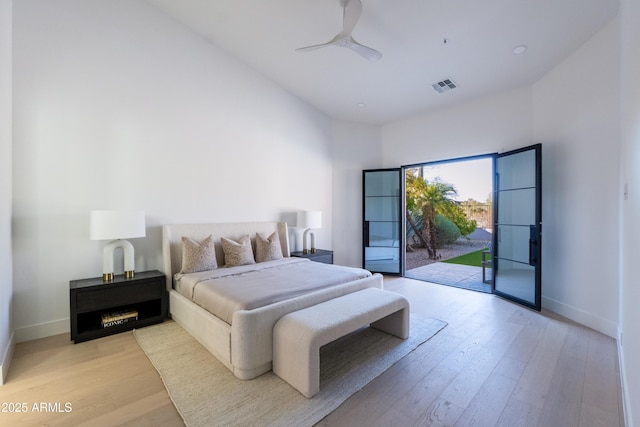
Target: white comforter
(225,290)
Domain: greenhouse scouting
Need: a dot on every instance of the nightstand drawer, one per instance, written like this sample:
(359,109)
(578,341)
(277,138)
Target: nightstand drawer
(327,259)
(118,295)
(320,255)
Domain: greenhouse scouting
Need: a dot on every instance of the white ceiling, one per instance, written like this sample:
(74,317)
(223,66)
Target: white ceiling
(481,35)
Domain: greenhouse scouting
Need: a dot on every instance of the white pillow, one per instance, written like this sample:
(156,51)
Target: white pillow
(198,256)
(268,248)
(237,253)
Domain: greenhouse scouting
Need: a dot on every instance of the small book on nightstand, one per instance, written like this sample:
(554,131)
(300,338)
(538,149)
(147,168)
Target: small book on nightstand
(118,318)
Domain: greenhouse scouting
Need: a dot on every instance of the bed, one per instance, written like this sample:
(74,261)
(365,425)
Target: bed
(240,334)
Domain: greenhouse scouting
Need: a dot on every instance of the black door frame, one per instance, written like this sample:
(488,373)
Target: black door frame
(401,231)
(535,238)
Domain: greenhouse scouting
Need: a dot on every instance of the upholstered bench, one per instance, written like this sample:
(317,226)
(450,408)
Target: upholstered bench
(298,336)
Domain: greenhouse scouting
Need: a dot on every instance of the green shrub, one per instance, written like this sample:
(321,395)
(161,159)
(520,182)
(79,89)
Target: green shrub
(447,231)
(456,214)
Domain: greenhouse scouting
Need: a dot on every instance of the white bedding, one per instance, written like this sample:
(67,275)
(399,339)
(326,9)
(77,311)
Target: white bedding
(224,291)
(246,347)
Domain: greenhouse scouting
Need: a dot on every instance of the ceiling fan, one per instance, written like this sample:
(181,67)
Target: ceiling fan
(352,9)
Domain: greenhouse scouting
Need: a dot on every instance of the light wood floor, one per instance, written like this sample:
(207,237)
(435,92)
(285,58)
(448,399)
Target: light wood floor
(495,364)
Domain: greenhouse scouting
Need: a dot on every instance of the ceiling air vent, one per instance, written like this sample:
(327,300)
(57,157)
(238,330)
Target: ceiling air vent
(444,86)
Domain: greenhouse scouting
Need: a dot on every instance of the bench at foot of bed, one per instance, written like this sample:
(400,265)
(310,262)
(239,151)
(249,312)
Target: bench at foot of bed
(298,336)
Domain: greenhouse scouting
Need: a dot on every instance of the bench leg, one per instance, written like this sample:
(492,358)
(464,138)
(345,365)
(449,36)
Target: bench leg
(395,324)
(298,366)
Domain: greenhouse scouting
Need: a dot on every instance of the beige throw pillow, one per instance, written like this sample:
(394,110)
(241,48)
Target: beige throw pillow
(268,248)
(198,256)
(237,253)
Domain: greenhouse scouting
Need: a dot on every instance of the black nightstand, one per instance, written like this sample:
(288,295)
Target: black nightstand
(89,299)
(320,255)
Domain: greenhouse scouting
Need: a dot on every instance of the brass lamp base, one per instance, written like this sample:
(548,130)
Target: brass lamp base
(107,259)
(108,277)
(306,233)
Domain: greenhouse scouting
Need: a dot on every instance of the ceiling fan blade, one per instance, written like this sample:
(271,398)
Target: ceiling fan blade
(314,47)
(318,46)
(351,15)
(367,52)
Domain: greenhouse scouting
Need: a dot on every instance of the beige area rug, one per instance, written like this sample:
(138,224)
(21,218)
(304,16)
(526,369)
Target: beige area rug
(206,393)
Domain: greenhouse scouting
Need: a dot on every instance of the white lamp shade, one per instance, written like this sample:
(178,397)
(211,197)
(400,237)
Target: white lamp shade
(110,225)
(309,219)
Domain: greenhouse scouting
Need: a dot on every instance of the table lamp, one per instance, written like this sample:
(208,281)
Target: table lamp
(115,226)
(309,220)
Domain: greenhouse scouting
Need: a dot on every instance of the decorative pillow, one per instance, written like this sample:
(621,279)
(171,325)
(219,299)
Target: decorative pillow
(268,248)
(198,256)
(237,253)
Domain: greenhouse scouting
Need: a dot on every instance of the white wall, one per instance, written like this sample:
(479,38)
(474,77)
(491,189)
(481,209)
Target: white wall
(119,107)
(574,113)
(355,147)
(576,118)
(629,343)
(483,126)
(6,281)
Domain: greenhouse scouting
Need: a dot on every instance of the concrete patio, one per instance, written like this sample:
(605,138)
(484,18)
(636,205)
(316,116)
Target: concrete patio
(460,276)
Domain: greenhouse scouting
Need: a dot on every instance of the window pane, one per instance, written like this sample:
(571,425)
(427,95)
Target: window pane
(381,209)
(382,184)
(517,171)
(515,279)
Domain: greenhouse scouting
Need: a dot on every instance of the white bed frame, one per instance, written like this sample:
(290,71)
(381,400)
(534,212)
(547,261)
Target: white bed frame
(246,346)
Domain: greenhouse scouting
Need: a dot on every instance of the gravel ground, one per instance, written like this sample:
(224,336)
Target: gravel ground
(419,257)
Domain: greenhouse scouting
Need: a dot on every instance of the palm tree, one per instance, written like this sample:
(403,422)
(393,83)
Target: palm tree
(428,198)
(439,198)
(415,189)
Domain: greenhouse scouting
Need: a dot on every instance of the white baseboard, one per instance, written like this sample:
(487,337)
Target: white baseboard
(6,359)
(626,404)
(42,330)
(604,326)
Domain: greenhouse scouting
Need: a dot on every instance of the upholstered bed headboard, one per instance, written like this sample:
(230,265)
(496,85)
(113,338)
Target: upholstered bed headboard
(172,240)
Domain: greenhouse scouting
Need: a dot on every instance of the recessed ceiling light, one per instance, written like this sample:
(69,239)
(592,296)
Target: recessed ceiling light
(519,49)
(361,105)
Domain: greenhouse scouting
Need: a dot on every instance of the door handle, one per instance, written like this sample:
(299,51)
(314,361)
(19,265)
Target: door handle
(366,233)
(533,240)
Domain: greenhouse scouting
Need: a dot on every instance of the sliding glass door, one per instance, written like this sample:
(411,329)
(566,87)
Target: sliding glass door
(517,226)
(382,222)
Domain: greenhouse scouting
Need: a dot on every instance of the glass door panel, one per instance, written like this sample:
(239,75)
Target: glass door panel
(516,261)
(518,206)
(382,226)
(381,233)
(513,243)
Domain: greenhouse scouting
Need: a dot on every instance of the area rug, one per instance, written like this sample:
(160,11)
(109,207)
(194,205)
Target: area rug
(206,393)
